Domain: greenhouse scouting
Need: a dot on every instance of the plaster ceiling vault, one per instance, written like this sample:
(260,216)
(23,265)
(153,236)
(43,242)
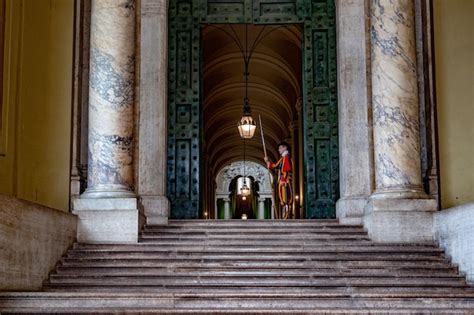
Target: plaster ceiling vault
(274,87)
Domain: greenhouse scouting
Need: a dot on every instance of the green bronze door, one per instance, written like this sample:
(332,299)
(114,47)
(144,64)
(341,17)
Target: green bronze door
(321,153)
(184,112)
(320,95)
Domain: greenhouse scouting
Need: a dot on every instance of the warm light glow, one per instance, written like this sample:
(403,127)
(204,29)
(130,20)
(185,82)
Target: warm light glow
(245,190)
(243,186)
(244,216)
(244,198)
(247,127)
(297,197)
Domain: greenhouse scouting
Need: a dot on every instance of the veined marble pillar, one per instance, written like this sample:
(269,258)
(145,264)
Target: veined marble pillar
(226,208)
(261,208)
(108,209)
(399,208)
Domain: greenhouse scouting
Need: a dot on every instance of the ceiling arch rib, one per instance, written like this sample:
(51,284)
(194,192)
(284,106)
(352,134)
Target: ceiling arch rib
(227,137)
(280,67)
(261,94)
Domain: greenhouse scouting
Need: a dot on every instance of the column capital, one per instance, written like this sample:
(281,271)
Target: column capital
(154,7)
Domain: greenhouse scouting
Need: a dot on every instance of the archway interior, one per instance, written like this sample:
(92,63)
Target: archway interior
(274,91)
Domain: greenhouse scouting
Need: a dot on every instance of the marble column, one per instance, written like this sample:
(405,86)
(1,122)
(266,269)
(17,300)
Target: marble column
(355,126)
(261,208)
(153,103)
(226,208)
(114,215)
(399,210)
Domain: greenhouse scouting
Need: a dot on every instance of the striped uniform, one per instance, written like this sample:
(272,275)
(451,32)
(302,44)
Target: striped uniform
(285,191)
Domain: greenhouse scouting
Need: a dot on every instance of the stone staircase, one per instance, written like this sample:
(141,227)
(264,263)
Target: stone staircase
(250,267)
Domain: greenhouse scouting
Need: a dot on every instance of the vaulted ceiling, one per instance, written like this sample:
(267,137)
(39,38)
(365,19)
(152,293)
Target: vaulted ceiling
(274,88)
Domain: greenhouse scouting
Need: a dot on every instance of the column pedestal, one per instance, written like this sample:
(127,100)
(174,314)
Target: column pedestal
(156,209)
(107,220)
(350,209)
(400,220)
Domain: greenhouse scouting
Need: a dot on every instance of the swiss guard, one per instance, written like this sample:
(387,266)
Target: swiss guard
(284,169)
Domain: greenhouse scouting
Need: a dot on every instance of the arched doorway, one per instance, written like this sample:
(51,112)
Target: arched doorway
(274,92)
(227,190)
(192,163)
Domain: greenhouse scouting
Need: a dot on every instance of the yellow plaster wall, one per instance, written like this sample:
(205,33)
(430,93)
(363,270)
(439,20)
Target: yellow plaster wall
(454,54)
(38,84)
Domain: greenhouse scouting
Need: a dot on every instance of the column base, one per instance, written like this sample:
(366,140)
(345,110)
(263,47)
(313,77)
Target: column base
(227,214)
(107,220)
(108,191)
(400,220)
(156,209)
(350,210)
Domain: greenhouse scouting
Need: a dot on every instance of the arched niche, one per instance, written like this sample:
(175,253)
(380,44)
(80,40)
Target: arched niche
(258,172)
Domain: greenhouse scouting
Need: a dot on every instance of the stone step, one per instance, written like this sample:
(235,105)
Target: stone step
(257,256)
(247,272)
(244,223)
(262,248)
(252,227)
(256,231)
(290,264)
(255,228)
(162,302)
(225,310)
(305,292)
(253,242)
(251,237)
(355,292)
(252,266)
(283,281)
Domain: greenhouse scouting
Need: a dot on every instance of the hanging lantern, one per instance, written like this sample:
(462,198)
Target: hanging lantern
(245,190)
(246,125)
(243,186)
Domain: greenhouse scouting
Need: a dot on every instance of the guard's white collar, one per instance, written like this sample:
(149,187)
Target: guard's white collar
(285,153)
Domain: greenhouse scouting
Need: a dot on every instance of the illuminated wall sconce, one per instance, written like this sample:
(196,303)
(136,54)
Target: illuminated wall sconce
(244,216)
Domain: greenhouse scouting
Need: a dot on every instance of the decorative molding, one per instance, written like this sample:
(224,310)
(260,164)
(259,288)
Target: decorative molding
(252,169)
